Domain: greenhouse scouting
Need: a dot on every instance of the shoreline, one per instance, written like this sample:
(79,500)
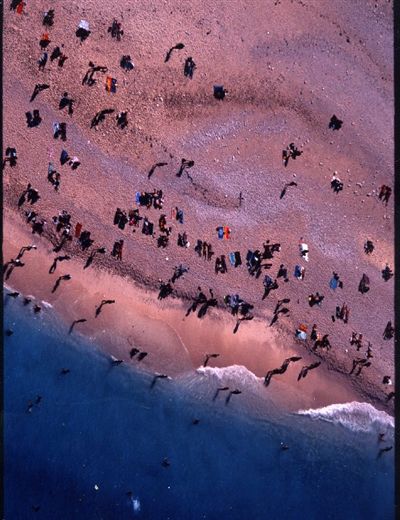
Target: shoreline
(176,345)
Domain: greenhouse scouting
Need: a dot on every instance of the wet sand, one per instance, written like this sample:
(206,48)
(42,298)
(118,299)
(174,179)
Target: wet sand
(288,68)
(176,345)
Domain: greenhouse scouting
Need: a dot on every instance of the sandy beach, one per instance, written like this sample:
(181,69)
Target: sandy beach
(287,67)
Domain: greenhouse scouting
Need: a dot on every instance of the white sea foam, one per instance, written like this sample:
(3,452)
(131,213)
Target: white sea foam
(238,373)
(47,304)
(358,417)
(135,505)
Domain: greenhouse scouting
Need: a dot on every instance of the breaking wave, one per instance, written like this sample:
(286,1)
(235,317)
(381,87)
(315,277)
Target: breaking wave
(357,417)
(237,373)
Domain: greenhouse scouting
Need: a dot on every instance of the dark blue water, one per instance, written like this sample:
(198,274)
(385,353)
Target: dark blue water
(103,426)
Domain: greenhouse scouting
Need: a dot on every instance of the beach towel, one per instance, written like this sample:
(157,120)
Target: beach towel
(220,231)
(298,272)
(111,84)
(301,335)
(333,283)
(20,8)
(78,229)
(137,197)
(232,259)
(64,157)
(227,232)
(83,24)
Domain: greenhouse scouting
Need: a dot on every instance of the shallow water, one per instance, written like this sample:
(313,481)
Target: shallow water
(103,426)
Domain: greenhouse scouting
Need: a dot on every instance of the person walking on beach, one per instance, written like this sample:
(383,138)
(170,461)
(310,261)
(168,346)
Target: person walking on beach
(58,259)
(59,280)
(39,87)
(103,302)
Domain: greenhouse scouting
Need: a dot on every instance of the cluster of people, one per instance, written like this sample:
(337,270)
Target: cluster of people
(256,261)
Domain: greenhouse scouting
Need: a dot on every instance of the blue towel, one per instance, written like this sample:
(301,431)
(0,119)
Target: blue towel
(333,283)
(232,259)
(220,231)
(137,197)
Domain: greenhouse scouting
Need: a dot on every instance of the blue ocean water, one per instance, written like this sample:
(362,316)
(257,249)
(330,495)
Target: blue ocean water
(100,432)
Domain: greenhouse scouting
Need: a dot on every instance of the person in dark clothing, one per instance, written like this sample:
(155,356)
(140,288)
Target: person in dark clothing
(388,333)
(85,240)
(219,92)
(44,41)
(117,249)
(100,116)
(122,120)
(101,250)
(33,119)
(179,271)
(39,87)
(60,131)
(59,280)
(126,63)
(115,30)
(220,265)
(281,370)
(185,165)
(88,78)
(56,53)
(315,299)
(387,273)
(336,184)
(189,67)
(42,61)
(283,273)
(384,193)
(99,308)
(48,18)
(11,157)
(165,290)
(179,215)
(58,259)
(83,31)
(178,46)
(123,219)
(363,286)
(269,285)
(369,247)
(66,102)
(335,123)
(37,227)
(53,176)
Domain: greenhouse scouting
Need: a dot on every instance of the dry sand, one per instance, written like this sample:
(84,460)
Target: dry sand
(288,66)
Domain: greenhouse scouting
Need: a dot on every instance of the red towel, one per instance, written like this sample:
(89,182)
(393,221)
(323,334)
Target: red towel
(78,229)
(227,232)
(20,8)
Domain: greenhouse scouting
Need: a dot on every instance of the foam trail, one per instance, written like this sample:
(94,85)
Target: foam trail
(357,417)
